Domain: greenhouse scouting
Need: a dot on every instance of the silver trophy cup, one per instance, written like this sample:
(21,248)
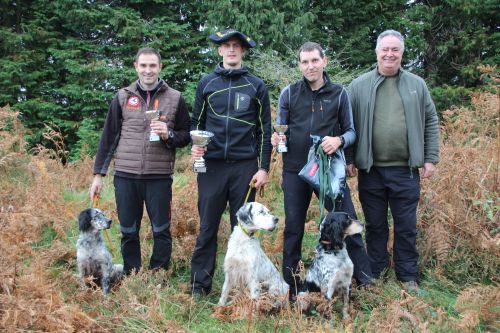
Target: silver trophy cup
(200,138)
(153,115)
(281,129)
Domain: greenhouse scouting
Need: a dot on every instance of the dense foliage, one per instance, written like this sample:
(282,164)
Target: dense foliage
(62,60)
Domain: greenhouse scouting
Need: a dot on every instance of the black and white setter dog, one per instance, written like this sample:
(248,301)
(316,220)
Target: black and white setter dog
(331,270)
(92,256)
(246,265)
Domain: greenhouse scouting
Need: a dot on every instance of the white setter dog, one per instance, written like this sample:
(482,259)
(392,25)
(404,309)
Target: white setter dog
(331,270)
(246,265)
(92,256)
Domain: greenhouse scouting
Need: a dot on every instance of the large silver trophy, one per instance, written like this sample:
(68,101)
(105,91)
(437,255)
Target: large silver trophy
(153,115)
(200,138)
(281,129)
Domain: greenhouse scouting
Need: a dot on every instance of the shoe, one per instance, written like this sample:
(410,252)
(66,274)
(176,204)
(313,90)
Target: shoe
(411,287)
(198,294)
(366,286)
(292,298)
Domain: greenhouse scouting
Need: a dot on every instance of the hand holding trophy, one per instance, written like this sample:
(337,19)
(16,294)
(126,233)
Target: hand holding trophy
(281,129)
(153,115)
(202,139)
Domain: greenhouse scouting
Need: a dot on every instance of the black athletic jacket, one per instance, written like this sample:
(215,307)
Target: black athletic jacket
(234,105)
(324,112)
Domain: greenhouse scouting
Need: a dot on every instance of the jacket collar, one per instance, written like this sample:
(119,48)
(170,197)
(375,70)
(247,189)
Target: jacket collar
(220,70)
(326,86)
(136,88)
(377,73)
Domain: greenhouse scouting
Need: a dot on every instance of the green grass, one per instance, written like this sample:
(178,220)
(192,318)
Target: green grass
(47,237)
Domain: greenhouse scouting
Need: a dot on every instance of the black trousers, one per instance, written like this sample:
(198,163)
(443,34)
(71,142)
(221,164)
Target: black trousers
(399,189)
(224,181)
(298,196)
(131,195)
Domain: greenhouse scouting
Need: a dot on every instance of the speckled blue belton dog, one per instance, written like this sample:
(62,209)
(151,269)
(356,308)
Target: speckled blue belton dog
(92,256)
(331,271)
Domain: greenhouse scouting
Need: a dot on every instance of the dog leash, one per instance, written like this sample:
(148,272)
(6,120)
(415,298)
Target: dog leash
(250,187)
(324,180)
(96,203)
(257,233)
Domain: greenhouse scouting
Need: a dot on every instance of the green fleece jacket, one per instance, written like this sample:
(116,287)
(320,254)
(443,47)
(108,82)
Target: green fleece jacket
(421,118)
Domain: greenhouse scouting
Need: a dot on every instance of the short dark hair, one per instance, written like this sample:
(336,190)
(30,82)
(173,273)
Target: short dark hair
(311,46)
(147,50)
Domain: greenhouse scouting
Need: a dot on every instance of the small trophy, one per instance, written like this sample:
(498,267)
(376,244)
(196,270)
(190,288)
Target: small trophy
(153,115)
(281,129)
(200,138)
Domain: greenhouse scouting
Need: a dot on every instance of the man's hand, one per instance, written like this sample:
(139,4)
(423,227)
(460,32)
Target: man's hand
(197,152)
(351,170)
(96,187)
(330,144)
(260,178)
(428,170)
(275,138)
(160,128)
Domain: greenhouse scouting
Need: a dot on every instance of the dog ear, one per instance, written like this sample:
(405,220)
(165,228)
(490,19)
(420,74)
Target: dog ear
(354,227)
(84,219)
(338,234)
(244,214)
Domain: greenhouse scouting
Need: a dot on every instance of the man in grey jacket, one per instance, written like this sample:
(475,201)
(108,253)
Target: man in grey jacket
(397,133)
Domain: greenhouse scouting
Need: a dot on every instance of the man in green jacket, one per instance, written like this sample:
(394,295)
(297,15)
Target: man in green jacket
(397,133)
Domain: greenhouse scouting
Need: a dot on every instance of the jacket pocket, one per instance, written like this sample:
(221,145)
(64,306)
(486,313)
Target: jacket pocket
(242,102)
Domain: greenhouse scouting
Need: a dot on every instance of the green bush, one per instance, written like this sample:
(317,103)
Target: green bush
(88,140)
(447,96)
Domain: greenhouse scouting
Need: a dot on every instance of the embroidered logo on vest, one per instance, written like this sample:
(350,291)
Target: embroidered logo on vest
(133,101)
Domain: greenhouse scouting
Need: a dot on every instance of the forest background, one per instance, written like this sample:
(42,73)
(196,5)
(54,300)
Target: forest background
(61,63)
(63,60)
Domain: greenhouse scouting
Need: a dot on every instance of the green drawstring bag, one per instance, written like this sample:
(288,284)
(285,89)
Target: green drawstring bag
(326,174)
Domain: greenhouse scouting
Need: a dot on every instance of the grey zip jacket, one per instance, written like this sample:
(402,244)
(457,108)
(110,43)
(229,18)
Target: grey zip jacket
(421,118)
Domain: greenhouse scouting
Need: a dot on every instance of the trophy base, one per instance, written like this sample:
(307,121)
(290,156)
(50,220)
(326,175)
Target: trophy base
(153,137)
(282,149)
(199,169)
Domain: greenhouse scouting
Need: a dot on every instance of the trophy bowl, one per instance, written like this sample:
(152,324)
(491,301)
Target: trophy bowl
(281,129)
(200,138)
(152,114)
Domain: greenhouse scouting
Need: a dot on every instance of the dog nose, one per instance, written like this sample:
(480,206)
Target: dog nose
(275,220)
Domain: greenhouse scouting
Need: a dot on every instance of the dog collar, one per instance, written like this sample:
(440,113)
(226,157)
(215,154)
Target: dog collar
(250,234)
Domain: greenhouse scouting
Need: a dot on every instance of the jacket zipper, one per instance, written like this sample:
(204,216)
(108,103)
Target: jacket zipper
(143,159)
(312,115)
(227,118)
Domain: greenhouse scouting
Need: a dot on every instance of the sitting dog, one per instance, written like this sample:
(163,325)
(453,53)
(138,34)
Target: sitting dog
(92,256)
(245,263)
(331,270)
